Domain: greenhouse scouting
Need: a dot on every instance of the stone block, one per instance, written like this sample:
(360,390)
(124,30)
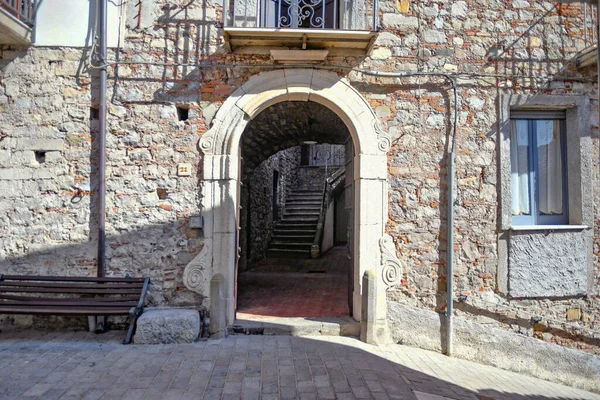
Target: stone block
(543,265)
(587,317)
(298,84)
(39,144)
(434,36)
(574,314)
(397,21)
(15,174)
(172,325)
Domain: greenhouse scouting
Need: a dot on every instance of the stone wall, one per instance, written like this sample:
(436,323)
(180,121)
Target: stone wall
(262,221)
(492,48)
(47,177)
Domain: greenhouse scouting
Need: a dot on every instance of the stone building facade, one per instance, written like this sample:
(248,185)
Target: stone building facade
(176,85)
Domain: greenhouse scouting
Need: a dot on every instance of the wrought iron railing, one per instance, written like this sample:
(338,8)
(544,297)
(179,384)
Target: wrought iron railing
(23,10)
(306,14)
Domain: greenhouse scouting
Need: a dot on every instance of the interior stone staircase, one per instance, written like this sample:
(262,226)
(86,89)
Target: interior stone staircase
(295,233)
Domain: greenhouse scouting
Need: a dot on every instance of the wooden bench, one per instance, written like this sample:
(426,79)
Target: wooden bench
(62,295)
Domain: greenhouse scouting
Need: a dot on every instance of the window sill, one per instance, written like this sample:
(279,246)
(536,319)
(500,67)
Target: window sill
(548,227)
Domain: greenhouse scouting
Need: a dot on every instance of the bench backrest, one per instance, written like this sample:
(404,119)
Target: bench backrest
(71,295)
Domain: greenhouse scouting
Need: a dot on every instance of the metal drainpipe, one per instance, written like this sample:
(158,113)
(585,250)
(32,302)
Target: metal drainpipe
(102,59)
(375,15)
(450,217)
(101,268)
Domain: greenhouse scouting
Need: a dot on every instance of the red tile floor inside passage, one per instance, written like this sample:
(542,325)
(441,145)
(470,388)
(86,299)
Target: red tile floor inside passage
(279,287)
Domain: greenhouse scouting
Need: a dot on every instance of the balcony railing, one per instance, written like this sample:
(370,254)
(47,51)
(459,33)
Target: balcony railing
(22,10)
(355,15)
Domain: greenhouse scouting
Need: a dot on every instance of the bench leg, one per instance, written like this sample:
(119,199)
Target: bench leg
(134,317)
(92,322)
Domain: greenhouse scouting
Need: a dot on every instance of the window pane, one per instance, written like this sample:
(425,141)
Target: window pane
(519,164)
(550,167)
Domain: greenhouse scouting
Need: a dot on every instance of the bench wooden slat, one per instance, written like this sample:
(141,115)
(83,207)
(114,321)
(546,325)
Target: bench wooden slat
(65,311)
(59,302)
(70,278)
(120,296)
(64,290)
(67,299)
(67,285)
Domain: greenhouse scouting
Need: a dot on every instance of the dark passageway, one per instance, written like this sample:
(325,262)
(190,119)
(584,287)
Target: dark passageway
(294,216)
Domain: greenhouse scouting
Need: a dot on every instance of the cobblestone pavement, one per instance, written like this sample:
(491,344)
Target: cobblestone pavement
(85,366)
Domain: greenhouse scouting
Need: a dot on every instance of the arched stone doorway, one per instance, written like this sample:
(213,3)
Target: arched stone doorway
(220,187)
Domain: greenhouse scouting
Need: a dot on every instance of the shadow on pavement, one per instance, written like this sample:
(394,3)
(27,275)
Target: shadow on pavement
(77,365)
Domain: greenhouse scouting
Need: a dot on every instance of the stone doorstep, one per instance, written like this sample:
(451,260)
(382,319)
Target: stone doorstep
(325,326)
(167,325)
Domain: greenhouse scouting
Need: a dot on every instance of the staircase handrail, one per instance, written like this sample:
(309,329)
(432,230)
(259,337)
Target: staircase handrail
(315,249)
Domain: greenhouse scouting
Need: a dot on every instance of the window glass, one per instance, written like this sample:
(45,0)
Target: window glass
(519,163)
(549,167)
(538,170)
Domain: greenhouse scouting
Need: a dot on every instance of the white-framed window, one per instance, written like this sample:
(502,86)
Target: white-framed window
(538,167)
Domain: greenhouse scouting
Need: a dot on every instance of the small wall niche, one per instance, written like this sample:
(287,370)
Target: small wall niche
(40,156)
(183,112)
(94,113)
(162,193)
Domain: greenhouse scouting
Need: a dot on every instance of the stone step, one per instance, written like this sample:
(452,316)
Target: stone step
(290,246)
(300,220)
(300,213)
(278,238)
(310,207)
(307,197)
(292,230)
(295,206)
(286,253)
(325,326)
(306,191)
(296,244)
(305,208)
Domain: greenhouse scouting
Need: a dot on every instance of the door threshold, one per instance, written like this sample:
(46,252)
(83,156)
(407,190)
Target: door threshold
(248,324)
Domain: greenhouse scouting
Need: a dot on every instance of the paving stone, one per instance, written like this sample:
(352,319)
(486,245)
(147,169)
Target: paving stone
(386,372)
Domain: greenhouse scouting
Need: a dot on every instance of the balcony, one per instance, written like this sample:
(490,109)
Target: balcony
(17,21)
(318,27)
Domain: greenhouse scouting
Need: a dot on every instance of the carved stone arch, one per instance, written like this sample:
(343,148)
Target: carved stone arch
(220,187)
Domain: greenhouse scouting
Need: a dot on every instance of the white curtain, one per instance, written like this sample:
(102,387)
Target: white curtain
(519,165)
(550,167)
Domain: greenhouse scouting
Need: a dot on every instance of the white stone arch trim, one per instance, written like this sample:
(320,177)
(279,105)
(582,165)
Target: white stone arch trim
(220,186)
(263,90)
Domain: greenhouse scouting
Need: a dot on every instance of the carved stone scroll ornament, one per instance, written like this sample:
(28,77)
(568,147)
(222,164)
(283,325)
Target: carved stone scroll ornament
(207,141)
(391,266)
(384,140)
(195,273)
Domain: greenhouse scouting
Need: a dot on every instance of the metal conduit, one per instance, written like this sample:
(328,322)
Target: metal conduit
(101,266)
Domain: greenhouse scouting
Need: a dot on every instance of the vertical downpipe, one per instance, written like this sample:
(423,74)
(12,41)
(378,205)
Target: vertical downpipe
(102,142)
(376,15)
(450,262)
(597,27)
(450,219)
